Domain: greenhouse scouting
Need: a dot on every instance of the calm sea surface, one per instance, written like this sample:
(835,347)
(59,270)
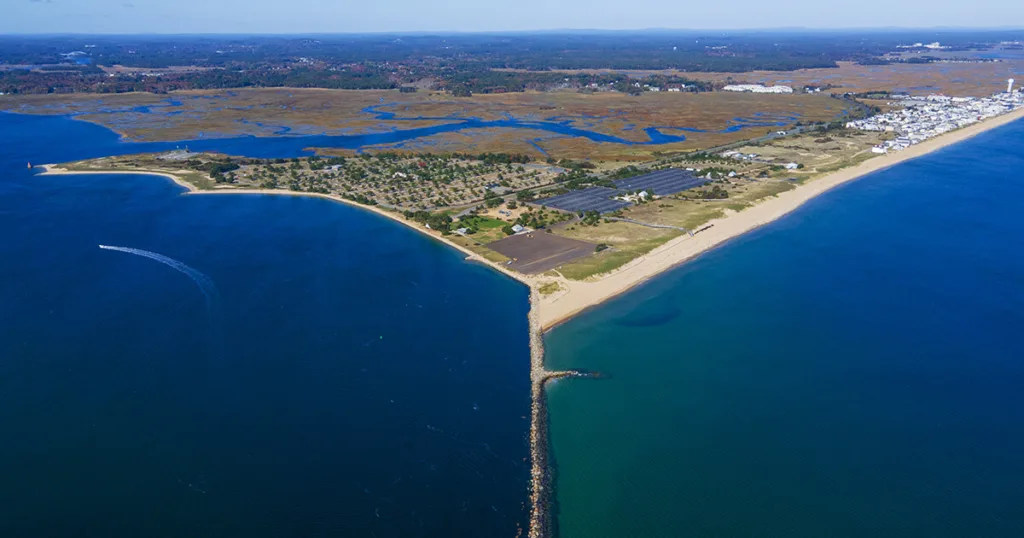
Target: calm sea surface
(295,367)
(854,369)
(311,370)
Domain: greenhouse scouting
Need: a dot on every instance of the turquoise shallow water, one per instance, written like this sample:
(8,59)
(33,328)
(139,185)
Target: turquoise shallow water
(854,369)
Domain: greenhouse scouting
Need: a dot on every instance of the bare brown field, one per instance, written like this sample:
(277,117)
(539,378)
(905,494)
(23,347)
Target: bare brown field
(265,112)
(536,252)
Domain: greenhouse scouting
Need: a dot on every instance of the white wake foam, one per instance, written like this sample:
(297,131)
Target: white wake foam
(206,285)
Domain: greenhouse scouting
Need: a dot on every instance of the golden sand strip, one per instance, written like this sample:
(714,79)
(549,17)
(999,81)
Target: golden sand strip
(52,169)
(579,296)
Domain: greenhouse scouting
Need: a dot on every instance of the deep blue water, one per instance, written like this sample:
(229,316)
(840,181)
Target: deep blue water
(351,378)
(853,369)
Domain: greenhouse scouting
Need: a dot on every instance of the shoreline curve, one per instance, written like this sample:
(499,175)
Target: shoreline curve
(578,296)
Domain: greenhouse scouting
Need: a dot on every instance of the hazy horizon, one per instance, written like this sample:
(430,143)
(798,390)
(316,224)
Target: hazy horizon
(791,29)
(269,17)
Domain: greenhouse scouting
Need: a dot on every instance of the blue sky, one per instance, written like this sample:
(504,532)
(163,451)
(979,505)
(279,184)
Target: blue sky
(335,16)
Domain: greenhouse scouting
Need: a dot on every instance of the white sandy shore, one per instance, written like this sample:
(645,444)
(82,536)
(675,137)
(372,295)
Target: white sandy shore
(51,169)
(578,296)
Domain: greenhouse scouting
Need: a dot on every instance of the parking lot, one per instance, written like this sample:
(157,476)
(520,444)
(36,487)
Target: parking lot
(537,252)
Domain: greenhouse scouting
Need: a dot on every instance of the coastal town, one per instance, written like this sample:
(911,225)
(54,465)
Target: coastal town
(917,119)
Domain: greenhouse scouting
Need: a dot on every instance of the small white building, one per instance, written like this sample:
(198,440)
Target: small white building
(758,88)
(792,166)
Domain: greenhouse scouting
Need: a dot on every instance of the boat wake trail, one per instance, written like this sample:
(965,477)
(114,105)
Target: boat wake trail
(204,282)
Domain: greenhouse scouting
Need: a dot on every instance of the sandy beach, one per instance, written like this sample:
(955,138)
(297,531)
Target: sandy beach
(578,296)
(54,170)
(574,297)
(51,169)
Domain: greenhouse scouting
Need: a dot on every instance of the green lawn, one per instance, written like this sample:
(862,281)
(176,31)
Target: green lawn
(613,258)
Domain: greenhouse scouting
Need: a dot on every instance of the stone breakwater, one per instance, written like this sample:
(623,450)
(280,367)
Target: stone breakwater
(540,470)
(540,481)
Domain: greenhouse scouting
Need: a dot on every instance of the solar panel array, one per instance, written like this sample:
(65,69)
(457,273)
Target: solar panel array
(590,199)
(662,182)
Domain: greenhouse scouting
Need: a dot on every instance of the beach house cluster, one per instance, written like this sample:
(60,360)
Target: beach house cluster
(921,118)
(757,88)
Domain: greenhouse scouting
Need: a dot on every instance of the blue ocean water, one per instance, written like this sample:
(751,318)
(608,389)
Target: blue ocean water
(853,369)
(348,377)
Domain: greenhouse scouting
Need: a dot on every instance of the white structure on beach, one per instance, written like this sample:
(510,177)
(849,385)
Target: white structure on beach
(757,88)
(1009,86)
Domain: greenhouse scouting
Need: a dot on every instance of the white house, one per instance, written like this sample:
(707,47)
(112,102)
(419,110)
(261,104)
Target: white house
(757,88)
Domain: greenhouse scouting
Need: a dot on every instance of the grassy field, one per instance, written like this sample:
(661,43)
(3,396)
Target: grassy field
(819,152)
(959,79)
(430,182)
(625,241)
(549,288)
(755,180)
(122,164)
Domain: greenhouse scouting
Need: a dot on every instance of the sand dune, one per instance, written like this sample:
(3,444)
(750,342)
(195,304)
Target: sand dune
(578,296)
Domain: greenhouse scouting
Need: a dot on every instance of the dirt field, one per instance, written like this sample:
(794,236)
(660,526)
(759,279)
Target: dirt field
(538,251)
